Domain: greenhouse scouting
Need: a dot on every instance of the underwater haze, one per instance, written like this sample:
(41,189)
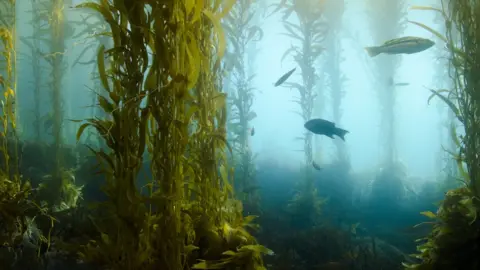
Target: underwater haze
(234,134)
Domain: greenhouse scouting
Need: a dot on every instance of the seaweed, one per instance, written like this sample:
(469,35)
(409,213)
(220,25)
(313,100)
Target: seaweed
(241,32)
(309,33)
(162,102)
(387,21)
(453,241)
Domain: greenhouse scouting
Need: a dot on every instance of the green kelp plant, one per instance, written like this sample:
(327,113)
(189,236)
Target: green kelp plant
(387,22)
(309,34)
(453,242)
(33,43)
(57,189)
(16,208)
(163,95)
(241,32)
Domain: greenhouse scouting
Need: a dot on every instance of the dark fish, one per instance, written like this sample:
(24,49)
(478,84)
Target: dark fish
(284,77)
(324,127)
(252,131)
(404,45)
(316,166)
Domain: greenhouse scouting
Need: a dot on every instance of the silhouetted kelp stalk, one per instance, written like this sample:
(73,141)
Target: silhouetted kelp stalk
(308,34)
(189,214)
(333,13)
(240,33)
(16,206)
(34,44)
(58,189)
(387,20)
(453,240)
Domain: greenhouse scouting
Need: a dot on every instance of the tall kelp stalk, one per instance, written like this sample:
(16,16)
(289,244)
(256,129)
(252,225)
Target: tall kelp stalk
(34,44)
(453,242)
(58,190)
(170,104)
(57,49)
(309,34)
(387,22)
(333,13)
(16,206)
(241,33)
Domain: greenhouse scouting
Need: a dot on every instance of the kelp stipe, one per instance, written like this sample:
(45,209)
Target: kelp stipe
(241,33)
(310,32)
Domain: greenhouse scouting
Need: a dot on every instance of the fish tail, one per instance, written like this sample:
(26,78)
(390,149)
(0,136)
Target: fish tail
(373,51)
(341,133)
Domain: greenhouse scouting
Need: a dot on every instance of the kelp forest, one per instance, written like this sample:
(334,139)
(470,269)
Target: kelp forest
(140,135)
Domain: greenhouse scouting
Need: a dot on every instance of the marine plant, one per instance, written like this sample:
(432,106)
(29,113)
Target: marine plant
(162,95)
(241,33)
(59,184)
(453,241)
(387,20)
(309,34)
(16,205)
(333,13)
(34,43)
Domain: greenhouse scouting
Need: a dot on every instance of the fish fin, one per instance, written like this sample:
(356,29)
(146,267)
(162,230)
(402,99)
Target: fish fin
(341,133)
(330,136)
(373,51)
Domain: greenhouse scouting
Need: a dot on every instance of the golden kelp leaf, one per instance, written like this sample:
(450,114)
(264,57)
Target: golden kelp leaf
(429,214)
(101,68)
(143,131)
(209,265)
(151,80)
(436,33)
(226,7)
(198,10)
(222,45)
(189,5)
(463,172)
(188,249)
(220,100)
(80,130)
(453,134)
(106,105)
(194,61)
(9,92)
(249,219)
(105,238)
(223,173)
